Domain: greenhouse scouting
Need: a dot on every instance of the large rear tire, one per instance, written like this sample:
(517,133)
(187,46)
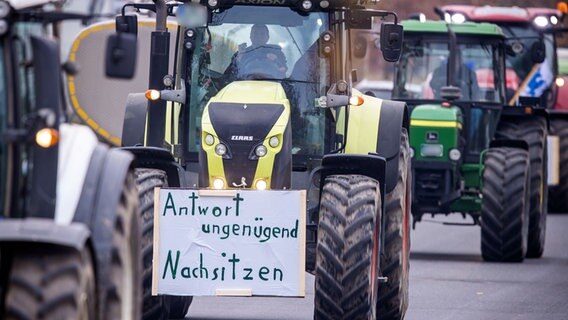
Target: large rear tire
(49,282)
(504,208)
(558,201)
(160,307)
(393,295)
(534,131)
(347,252)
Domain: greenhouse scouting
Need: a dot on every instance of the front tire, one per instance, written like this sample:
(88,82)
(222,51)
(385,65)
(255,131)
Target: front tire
(347,252)
(534,132)
(49,282)
(504,208)
(124,298)
(160,307)
(393,295)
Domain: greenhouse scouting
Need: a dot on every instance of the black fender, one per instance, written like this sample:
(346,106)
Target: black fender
(371,165)
(97,205)
(158,158)
(394,116)
(45,231)
(134,124)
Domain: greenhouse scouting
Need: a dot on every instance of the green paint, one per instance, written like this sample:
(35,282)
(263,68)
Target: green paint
(466,28)
(260,232)
(471,173)
(170,205)
(468,203)
(204,271)
(172,265)
(423,122)
(436,112)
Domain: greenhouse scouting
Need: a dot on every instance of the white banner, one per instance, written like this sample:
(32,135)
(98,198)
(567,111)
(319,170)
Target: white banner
(229,242)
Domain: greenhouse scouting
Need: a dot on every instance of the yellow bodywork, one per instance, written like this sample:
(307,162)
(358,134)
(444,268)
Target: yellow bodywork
(252,92)
(363,128)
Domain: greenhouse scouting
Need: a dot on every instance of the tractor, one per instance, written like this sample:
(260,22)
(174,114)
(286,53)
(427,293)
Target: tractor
(278,112)
(465,156)
(525,28)
(69,231)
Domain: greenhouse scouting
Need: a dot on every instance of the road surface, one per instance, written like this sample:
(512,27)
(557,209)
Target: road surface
(448,280)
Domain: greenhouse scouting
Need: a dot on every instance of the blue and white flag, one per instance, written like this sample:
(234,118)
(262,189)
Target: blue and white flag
(539,82)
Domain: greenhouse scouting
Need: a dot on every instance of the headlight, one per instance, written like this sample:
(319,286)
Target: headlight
(431,150)
(260,184)
(455,154)
(209,140)
(411,151)
(554,20)
(541,21)
(274,142)
(218,184)
(458,18)
(260,151)
(220,149)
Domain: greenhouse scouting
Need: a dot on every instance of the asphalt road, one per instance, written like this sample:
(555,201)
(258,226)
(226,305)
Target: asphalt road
(448,280)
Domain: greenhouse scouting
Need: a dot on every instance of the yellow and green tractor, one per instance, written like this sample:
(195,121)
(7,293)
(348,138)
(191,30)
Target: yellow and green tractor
(258,95)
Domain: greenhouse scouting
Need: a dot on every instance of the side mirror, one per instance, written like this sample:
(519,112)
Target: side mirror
(127,24)
(391,41)
(538,52)
(121,52)
(121,48)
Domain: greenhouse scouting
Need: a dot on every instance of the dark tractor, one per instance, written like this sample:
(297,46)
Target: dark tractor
(69,232)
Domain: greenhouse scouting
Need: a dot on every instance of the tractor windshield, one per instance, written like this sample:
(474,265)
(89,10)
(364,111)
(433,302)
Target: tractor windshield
(423,70)
(263,43)
(525,77)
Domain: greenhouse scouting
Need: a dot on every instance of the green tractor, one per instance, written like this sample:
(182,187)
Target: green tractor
(69,232)
(259,97)
(467,156)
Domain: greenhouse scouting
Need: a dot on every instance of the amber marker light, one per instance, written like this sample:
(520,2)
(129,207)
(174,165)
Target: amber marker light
(47,137)
(152,95)
(562,7)
(356,100)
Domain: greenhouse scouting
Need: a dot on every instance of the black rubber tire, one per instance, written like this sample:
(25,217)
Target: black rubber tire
(160,307)
(504,208)
(126,260)
(558,195)
(347,253)
(393,295)
(126,263)
(48,282)
(178,306)
(146,180)
(534,131)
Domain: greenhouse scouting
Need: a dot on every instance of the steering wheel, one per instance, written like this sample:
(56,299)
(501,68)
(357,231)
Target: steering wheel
(262,62)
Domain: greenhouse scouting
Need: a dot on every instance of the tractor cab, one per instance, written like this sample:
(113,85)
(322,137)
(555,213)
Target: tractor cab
(465,76)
